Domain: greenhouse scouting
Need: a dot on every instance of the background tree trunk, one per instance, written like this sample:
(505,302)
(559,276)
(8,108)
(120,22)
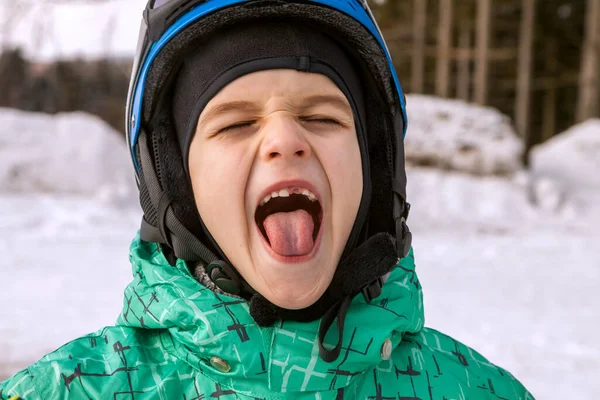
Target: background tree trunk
(589,86)
(484,11)
(464,65)
(549,116)
(442,81)
(522,103)
(419,42)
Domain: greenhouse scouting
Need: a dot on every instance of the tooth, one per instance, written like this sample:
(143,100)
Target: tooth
(266,199)
(284,193)
(274,195)
(312,197)
(306,192)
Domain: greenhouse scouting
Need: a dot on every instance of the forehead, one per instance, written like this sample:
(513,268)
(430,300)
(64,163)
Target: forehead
(285,83)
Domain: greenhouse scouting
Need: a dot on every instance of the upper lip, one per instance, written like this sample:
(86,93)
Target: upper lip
(289,184)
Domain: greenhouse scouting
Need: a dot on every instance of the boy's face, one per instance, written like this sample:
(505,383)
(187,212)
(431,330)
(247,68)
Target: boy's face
(291,133)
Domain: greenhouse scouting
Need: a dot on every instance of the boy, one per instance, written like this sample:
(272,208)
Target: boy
(267,142)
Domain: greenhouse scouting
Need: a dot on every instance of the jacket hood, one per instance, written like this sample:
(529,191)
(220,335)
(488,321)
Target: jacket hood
(198,324)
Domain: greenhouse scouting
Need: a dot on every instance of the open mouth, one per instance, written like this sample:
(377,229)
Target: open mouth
(290,221)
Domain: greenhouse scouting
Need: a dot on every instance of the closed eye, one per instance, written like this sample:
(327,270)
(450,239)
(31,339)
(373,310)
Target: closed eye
(328,121)
(236,126)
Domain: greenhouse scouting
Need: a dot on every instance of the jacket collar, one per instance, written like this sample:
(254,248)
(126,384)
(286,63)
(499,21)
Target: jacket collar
(203,328)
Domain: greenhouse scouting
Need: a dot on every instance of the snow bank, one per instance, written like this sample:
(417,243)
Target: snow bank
(566,169)
(67,30)
(72,153)
(446,200)
(63,269)
(452,134)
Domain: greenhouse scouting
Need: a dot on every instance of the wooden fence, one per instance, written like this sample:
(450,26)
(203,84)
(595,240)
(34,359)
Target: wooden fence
(465,53)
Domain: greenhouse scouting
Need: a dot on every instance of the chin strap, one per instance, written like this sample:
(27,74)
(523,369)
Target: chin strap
(339,311)
(372,290)
(401,212)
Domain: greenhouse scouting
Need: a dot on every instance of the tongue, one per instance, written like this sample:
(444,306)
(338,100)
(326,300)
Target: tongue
(290,233)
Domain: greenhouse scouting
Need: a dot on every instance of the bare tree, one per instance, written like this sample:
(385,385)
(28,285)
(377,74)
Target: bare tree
(484,16)
(589,86)
(522,104)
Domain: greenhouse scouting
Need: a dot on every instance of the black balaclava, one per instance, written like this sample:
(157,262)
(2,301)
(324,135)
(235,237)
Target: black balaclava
(231,53)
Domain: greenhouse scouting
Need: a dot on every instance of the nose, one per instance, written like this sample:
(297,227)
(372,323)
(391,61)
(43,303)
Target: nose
(284,139)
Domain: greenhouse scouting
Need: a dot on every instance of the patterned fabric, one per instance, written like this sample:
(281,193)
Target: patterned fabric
(176,339)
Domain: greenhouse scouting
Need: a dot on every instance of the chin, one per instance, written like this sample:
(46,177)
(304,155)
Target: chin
(290,296)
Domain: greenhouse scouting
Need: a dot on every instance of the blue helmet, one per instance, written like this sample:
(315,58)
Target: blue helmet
(169,28)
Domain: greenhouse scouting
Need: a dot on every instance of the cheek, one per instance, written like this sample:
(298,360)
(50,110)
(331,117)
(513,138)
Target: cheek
(343,166)
(218,180)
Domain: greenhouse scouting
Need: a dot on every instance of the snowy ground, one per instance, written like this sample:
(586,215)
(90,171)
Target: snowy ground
(516,282)
(521,290)
(63,271)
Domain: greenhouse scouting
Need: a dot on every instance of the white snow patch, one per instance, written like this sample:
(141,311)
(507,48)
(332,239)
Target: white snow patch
(67,215)
(491,204)
(566,169)
(446,200)
(63,270)
(73,153)
(47,31)
(527,300)
(452,134)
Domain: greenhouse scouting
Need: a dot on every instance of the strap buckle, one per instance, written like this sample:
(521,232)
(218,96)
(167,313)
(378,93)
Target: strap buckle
(373,290)
(163,207)
(403,234)
(403,237)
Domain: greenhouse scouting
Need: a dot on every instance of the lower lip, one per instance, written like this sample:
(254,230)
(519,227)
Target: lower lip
(293,259)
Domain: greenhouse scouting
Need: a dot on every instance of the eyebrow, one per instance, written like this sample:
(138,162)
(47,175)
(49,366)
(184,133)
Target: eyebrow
(241,105)
(337,101)
(225,108)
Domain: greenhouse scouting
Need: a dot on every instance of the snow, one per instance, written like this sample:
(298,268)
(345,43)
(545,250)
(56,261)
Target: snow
(68,153)
(47,30)
(67,214)
(572,157)
(452,134)
(569,166)
(63,271)
(516,280)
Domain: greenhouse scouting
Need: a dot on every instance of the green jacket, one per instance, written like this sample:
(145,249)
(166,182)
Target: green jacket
(176,339)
